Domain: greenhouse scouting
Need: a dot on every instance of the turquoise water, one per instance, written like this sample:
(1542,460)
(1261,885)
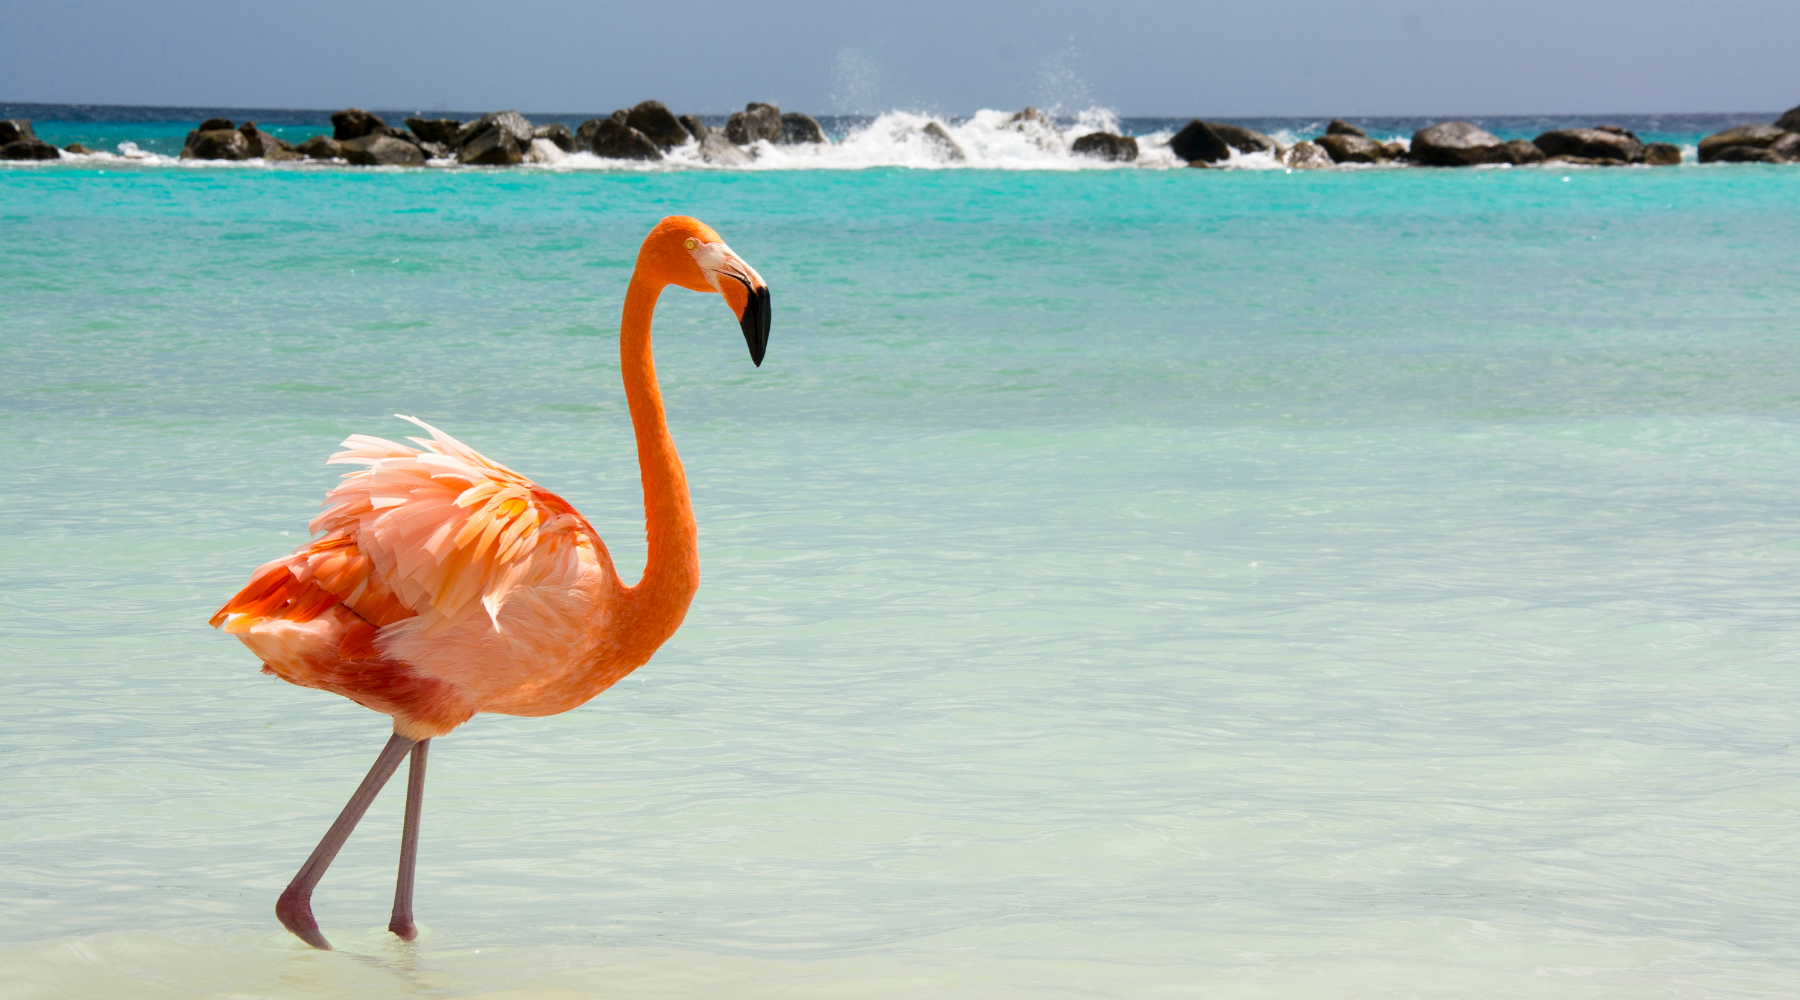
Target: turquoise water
(1117,584)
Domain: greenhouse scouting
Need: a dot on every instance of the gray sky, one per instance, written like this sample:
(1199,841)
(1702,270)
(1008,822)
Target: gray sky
(1139,57)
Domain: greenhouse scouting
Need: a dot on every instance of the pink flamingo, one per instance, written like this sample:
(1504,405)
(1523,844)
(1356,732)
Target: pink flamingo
(445,584)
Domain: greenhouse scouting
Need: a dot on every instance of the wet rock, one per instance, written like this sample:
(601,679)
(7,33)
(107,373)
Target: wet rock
(215,124)
(940,143)
(1455,144)
(656,123)
(1751,136)
(1106,146)
(78,149)
(1790,120)
(515,125)
(1344,147)
(353,123)
(15,129)
(1396,150)
(442,131)
(1198,142)
(695,127)
(1603,143)
(544,151)
(1038,127)
(262,145)
(1662,154)
(557,134)
(1304,155)
(1519,153)
(1745,154)
(1339,126)
(718,150)
(29,149)
(216,144)
(615,140)
(1788,146)
(379,149)
(320,147)
(492,147)
(799,129)
(755,122)
(1245,140)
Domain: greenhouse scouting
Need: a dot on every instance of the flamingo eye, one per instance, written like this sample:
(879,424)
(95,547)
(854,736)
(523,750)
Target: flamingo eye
(692,243)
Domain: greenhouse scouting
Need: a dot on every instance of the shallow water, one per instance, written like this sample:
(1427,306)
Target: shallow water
(1117,584)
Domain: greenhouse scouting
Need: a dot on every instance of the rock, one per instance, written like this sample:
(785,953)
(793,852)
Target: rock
(216,144)
(616,140)
(379,149)
(1746,154)
(718,150)
(1106,146)
(439,130)
(1611,143)
(1519,152)
(1662,154)
(1339,126)
(1345,147)
(29,149)
(1038,127)
(799,129)
(14,129)
(1455,144)
(215,124)
(755,122)
(654,120)
(78,149)
(558,134)
(941,144)
(1587,161)
(320,147)
(1245,140)
(1788,146)
(1304,155)
(515,125)
(353,123)
(545,151)
(1198,142)
(1396,150)
(436,151)
(1754,136)
(265,146)
(1790,120)
(695,127)
(492,147)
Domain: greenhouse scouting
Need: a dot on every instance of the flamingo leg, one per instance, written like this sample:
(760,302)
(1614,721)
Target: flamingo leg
(402,921)
(294,908)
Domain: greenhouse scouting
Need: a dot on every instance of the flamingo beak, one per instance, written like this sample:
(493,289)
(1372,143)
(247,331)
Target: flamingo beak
(754,318)
(748,296)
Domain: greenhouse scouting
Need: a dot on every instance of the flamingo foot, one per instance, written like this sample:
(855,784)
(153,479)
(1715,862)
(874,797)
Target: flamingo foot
(404,930)
(294,910)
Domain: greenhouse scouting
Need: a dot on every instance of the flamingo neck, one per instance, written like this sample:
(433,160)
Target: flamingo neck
(659,601)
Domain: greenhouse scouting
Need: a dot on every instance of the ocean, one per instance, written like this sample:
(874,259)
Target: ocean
(1118,582)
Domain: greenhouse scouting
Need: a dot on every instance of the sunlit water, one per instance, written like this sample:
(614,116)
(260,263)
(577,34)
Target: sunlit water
(1117,584)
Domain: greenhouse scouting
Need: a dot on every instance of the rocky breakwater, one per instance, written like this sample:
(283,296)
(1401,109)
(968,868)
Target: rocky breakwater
(1203,143)
(218,139)
(1777,143)
(19,142)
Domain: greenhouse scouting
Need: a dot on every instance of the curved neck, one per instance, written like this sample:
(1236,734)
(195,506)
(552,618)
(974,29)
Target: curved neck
(672,570)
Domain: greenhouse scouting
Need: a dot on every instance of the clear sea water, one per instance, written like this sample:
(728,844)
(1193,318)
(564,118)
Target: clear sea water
(1118,583)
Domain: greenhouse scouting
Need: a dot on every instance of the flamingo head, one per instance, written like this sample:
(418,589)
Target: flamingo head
(688,253)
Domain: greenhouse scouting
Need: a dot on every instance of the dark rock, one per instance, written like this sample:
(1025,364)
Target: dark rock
(29,149)
(1754,136)
(492,147)
(14,129)
(756,121)
(353,123)
(1745,154)
(1788,146)
(379,149)
(435,150)
(1396,149)
(1662,154)
(1519,152)
(1619,130)
(1198,142)
(695,127)
(558,134)
(265,146)
(439,130)
(1455,144)
(1106,146)
(1594,143)
(321,147)
(584,133)
(515,125)
(941,143)
(1304,155)
(1790,120)
(217,144)
(1245,140)
(78,149)
(1345,147)
(615,140)
(654,120)
(798,129)
(215,124)
(1339,126)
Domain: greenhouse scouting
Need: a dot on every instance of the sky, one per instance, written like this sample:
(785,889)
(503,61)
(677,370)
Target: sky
(1136,57)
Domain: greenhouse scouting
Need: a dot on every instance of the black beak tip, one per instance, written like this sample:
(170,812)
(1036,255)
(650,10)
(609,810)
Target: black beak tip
(755,322)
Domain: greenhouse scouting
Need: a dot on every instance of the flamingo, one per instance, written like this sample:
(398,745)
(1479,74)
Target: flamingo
(443,583)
